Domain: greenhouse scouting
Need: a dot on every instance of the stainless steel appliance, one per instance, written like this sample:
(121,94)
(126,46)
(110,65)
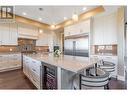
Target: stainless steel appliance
(77,46)
(49,76)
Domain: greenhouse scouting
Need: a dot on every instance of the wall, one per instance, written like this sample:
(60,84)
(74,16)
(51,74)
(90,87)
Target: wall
(121,48)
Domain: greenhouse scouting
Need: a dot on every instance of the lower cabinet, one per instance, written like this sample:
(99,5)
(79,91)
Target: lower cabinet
(32,70)
(10,62)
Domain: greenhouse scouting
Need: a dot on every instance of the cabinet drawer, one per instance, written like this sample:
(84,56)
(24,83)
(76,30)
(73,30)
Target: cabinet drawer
(35,66)
(36,69)
(35,79)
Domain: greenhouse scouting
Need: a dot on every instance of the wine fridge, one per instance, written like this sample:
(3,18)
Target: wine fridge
(49,76)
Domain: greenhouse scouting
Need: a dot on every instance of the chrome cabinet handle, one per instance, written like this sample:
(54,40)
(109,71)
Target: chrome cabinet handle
(34,70)
(33,61)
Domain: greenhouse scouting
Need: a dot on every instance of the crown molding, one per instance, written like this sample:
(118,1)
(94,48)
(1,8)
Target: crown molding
(83,16)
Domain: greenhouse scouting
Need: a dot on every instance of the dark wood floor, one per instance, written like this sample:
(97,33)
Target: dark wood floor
(17,80)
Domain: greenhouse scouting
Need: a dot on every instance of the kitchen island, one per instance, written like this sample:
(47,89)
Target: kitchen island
(65,68)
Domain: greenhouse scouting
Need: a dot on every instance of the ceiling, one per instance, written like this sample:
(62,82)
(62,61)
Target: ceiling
(50,14)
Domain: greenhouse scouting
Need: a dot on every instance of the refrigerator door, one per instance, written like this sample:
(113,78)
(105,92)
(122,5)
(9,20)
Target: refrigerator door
(68,47)
(82,47)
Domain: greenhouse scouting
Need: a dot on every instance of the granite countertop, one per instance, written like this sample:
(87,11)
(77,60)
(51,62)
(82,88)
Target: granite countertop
(103,54)
(70,63)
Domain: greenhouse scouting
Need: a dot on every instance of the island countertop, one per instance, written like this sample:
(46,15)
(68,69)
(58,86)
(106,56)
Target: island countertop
(67,62)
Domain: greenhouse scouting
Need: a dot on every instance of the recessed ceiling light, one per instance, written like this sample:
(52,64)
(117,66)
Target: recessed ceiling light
(52,26)
(40,31)
(75,17)
(24,13)
(84,8)
(65,18)
(41,9)
(40,19)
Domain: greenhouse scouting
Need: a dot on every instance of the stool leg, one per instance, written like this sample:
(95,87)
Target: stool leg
(96,69)
(106,86)
(87,72)
(80,85)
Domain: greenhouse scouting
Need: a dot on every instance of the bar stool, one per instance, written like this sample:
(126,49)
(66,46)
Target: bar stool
(107,66)
(85,81)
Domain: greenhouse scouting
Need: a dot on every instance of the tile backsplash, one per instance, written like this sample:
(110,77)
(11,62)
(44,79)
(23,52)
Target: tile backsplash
(17,49)
(106,49)
(9,49)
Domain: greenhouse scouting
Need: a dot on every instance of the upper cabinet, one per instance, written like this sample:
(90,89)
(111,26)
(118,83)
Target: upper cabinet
(8,34)
(13,34)
(43,39)
(76,29)
(27,31)
(105,29)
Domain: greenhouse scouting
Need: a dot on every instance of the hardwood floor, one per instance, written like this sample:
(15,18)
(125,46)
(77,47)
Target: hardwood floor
(17,80)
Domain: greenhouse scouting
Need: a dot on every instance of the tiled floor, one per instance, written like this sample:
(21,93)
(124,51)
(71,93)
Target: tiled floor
(17,80)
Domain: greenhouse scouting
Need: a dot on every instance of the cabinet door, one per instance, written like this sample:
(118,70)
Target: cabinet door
(83,27)
(26,66)
(15,59)
(27,31)
(0,36)
(4,28)
(67,31)
(110,32)
(35,66)
(98,29)
(75,29)
(43,40)
(4,62)
(13,34)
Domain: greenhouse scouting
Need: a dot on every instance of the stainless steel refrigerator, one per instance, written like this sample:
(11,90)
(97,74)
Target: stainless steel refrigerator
(77,46)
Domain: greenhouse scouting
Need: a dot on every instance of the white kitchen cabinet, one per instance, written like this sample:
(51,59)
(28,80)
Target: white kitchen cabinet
(10,62)
(26,62)
(0,37)
(110,29)
(78,28)
(43,39)
(13,34)
(98,31)
(4,28)
(105,30)
(27,31)
(8,34)
(32,69)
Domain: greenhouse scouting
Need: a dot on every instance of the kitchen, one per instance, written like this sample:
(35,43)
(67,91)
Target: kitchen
(52,48)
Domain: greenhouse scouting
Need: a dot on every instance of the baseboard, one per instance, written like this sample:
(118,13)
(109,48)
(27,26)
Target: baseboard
(122,78)
(9,69)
